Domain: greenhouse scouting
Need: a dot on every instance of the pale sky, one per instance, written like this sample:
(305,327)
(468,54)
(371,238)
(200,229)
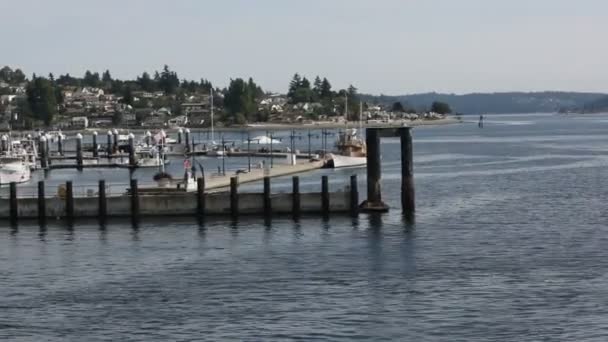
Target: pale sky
(381,46)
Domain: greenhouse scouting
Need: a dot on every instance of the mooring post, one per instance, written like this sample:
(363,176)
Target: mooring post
(115,137)
(408,200)
(44,157)
(95,151)
(109,147)
(267,200)
(134,203)
(41,204)
(148,138)
(324,195)
(200,196)
(234,197)
(295,197)
(354,195)
(48,144)
(4,144)
(374,172)
(187,140)
(132,161)
(60,144)
(180,134)
(14,209)
(103,211)
(79,159)
(69,201)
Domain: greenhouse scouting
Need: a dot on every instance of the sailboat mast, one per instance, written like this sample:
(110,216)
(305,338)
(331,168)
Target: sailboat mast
(346,107)
(211,102)
(360,116)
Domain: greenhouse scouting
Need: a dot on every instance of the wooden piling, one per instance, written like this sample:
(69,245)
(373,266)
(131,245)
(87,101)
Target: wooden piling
(295,199)
(408,202)
(354,196)
(14,209)
(324,195)
(200,196)
(234,197)
(187,140)
(41,204)
(79,159)
(109,145)
(132,161)
(103,211)
(115,142)
(374,172)
(69,201)
(60,144)
(180,134)
(134,203)
(267,200)
(44,157)
(95,151)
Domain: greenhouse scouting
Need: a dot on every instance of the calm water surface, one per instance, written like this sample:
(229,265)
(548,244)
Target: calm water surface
(510,244)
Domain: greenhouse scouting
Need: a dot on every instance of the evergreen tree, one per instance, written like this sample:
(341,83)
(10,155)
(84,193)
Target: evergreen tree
(326,92)
(41,99)
(316,89)
(295,83)
(169,82)
(440,108)
(397,107)
(145,82)
(127,96)
(106,77)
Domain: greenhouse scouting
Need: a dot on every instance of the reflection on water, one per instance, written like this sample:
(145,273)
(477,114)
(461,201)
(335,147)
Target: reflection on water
(508,243)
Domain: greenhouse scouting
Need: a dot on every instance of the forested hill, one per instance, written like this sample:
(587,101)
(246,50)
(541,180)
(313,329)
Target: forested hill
(599,105)
(499,103)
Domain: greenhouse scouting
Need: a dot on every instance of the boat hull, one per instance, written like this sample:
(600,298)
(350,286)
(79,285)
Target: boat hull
(337,161)
(20,174)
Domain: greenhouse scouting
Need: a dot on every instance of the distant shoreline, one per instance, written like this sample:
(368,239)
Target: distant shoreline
(271,126)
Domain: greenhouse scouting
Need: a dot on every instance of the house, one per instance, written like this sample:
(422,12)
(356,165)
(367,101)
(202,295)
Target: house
(6,99)
(178,121)
(80,122)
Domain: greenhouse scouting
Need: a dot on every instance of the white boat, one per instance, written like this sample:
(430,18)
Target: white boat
(216,151)
(352,150)
(264,140)
(14,169)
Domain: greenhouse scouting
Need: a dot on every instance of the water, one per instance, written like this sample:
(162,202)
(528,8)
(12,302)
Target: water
(509,244)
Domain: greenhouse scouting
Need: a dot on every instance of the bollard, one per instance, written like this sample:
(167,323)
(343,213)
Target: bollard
(69,202)
(187,140)
(79,160)
(354,196)
(132,161)
(14,209)
(234,197)
(134,203)
(148,138)
(200,196)
(95,150)
(295,197)
(374,173)
(408,200)
(324,196)
(267,200)
(109,147)
(44,157)
(48,144)
(4,144)
(103,211)
(60,144)
(41,204)
(180,134)
(115,143)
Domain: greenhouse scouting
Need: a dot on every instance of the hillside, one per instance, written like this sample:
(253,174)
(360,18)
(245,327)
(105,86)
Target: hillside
(497,103)
(597,106)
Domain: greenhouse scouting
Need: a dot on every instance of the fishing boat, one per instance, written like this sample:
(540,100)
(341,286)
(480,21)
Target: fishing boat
(351,151)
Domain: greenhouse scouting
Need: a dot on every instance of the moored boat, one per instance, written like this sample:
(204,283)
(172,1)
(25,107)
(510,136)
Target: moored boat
(351,151)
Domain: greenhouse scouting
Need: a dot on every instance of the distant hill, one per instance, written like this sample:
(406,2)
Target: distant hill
(599,105)
(497,103)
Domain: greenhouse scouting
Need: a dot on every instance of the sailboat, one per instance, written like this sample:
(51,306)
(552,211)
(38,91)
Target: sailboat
(215,150)
(351,149)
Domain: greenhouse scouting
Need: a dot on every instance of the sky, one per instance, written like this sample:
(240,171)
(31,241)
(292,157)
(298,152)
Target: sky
(381,46)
